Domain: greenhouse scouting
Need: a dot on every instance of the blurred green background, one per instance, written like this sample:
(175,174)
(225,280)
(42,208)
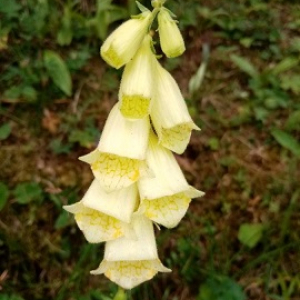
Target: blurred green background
(240,76)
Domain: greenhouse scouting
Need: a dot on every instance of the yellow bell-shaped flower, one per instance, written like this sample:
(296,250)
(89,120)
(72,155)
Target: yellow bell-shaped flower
(119,159)
(129,262)
(169,114)
(105,216)
(165,197)
(136,90)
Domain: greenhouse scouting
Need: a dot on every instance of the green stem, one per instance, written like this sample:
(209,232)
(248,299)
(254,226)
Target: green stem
(121,294)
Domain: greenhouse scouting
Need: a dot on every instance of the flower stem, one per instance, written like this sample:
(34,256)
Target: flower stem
(121,294)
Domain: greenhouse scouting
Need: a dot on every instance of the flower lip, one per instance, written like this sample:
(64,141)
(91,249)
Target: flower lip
(96,226)
(119,204)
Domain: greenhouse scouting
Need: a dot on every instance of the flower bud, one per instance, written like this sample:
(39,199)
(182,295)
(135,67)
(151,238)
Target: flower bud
(171,40)
(119,48)
(129,262)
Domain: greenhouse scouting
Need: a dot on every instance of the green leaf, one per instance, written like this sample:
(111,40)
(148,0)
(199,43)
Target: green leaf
(29,93)
(5,131)
(86,138)
(4,193)
(27,192)
(141,7)
(290,82)
(244,65)
(15,297)
(285,65)
(293,122)
(220,288)
(250,234)
(58,71)
(13,93)
(58,147)
(10,8)
(62,220)
(103,5)
(65,34)
(287,141)
(197,79)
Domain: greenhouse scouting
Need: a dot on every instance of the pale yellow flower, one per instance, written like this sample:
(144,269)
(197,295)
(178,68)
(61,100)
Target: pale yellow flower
(165,198)
(129,262)
(171,40)
(119,159)
(105,216)
(136,90)
(169,114)
(119,48)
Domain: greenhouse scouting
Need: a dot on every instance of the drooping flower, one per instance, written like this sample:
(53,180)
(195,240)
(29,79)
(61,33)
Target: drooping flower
(119,48)
(136,90)
(119,159)
(169,114)
(165,198)
(105,216)
(129,262)
(171,40)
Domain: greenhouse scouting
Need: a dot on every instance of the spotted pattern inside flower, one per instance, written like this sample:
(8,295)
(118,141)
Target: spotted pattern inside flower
(98,227)
(135,106)
(176,138)
(131,273)
(112,57)
(167,211)
(115,172)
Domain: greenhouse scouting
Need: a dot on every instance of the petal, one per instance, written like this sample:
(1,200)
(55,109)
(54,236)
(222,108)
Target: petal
(171,40)
(169,114)
(115,172)
(119,48)
(167,211)
(167,178)
(143,247)
(118,204)
(96,226)
(136,88)
(124,138)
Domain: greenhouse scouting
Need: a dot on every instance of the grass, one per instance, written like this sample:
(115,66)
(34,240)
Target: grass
(246,157)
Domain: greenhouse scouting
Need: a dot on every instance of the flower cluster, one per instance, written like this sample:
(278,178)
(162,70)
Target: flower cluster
(137,179)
